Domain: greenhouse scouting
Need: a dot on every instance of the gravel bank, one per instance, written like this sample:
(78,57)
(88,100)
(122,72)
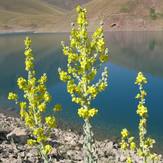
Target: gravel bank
(13,149)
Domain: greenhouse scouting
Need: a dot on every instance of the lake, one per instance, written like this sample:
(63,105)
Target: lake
(130,52)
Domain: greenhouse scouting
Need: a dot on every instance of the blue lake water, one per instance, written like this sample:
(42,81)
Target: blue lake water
(130,52)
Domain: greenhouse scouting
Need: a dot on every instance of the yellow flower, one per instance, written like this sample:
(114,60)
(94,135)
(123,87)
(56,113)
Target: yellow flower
(12,96)
(92,112)
(78,8)
(150,142)
(41,138)
(104,58)
(48,149)
(51,121)
(140,79)
(141,95)
(57,107)
(154,156)
(38,131)
(23,105)
(101,44)
(129,160)
(123,145)
(28,52)
(21,82)
(140,152)
(130,139)
(92,90)
(43,79)
(138,96)
(63,76)
(31,142)
(27,42)
(71,70)
(65,50)
(77,100)
(72,42)
(142,110)
(132,146)
(71,86)
(31,82)
(102,86)
(72,57)
(124,133)
(42,107)
(29,121)
(83,113)
(87,113)
(142,122)
(47,97)
(28,64)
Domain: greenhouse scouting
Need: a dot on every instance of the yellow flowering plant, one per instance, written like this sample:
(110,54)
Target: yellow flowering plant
(84,55)
(34,104)
(126,143)
(144,148)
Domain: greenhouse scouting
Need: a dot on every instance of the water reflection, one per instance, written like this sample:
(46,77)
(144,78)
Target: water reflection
(130,52)
(138,51)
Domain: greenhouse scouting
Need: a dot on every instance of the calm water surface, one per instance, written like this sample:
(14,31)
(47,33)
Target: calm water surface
(130,52)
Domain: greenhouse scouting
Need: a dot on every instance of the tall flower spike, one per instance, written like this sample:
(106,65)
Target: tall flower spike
(145,143)
(34,104)
(144,148)
(84,57)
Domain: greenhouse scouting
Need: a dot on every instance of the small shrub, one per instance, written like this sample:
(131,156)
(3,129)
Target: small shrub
(152,13)
(84,56)
(125,9)
(145,146)
(34,104)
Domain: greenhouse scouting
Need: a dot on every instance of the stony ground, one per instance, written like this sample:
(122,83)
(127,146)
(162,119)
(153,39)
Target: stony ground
(68,144)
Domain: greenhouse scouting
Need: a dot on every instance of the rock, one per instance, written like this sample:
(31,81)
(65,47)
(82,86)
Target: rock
(69,146)
(33,152)
(74,155)
(122,158)
(18,135)
(109,146)
(3,134)
(54,152)
(22,154)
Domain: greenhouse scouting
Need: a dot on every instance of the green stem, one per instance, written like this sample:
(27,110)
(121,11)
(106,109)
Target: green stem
(90,155)
(44,156)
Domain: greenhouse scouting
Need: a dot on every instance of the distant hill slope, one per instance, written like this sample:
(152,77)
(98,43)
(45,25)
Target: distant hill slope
(127,14)
(27,7)
(66,4)
(27,15)
(56,15)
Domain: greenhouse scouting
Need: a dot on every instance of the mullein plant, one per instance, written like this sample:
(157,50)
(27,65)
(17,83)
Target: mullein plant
(34,104)
(144,148)
(84,54)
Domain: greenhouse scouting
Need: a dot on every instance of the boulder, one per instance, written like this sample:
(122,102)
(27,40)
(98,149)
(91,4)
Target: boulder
(18,135)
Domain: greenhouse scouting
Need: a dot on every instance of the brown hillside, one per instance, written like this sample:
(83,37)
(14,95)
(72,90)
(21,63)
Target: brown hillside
(66,4)
(56,15)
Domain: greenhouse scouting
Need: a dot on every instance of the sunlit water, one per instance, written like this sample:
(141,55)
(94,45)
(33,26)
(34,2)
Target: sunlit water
(130,52)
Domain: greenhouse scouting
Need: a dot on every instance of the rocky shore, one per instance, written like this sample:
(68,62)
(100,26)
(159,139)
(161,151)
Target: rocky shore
(67,145)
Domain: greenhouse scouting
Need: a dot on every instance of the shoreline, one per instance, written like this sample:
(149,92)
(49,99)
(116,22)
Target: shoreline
(7,32)
(67,142)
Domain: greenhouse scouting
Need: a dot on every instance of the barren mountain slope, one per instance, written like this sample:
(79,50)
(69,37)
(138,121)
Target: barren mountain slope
(56,15)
